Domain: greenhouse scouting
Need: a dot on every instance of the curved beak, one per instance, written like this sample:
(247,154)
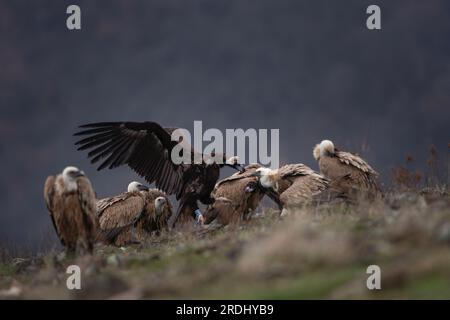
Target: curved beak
(143,188)
(238,167)
(78,174)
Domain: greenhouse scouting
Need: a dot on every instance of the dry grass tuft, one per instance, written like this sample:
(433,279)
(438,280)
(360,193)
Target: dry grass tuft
(294,245)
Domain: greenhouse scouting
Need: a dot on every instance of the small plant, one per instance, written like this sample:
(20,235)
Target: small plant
(404,178)
(433,168)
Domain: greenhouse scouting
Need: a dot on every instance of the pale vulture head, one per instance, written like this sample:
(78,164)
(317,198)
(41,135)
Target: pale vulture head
(326,147)
(234,163)
(232,160)
(136,187)
(160,204)
(267,177)
(70,175)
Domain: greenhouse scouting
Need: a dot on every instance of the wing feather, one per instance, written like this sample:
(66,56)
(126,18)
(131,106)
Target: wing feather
(86,196)
(144,146)
(49,194)
(355,161)
(297,169)
(303,190)
(120,211)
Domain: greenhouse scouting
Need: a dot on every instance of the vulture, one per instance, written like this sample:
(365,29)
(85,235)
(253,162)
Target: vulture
(294,184)
(70,199)
(347,171)
(236,197)
(128,217)
(146,147)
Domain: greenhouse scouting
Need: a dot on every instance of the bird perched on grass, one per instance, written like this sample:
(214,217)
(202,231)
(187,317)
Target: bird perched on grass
(237,197)
(70,199)
(295,185)
(130,216)
(348,171)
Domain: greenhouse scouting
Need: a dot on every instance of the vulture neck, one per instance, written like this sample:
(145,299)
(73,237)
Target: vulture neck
(270,180)
(159,209)
(70,185)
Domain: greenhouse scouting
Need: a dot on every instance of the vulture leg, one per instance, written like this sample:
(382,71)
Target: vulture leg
(275,198)
(284,212)
(186,208)
(134,237)
(210,215)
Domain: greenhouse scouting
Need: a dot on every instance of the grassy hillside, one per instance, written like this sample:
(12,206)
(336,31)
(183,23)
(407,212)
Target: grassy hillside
(320,252)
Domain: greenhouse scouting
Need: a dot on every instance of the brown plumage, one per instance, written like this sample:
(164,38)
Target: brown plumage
(70,200)
(348,172)
(236,197)
(131,216)
(146,147)
(295,184)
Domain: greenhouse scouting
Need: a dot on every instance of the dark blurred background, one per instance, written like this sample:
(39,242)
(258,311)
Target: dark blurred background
(310,68)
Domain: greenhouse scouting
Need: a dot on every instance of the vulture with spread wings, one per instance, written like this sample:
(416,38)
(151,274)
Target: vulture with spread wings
(146,147)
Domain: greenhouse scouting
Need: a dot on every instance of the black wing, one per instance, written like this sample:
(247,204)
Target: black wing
(144,146)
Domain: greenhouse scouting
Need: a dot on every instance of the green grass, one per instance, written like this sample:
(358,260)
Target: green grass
(314,285)
(8,269)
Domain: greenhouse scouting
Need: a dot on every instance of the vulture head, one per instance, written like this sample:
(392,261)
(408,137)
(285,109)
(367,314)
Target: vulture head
(326,147)
(233,162)
(136,187)
(223,160)
(268,178)
(160,204)
(70,175)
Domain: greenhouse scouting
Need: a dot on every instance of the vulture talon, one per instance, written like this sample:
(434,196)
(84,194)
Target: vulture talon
(199,217)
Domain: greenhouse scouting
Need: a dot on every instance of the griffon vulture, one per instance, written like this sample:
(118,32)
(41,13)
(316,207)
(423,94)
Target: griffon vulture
(70,200)
(347,171)
(146,147)
(295,185)
(236,197)
(130,216)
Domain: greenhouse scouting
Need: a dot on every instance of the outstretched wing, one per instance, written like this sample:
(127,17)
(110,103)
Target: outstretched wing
(118,213)
(49,193)
(144,146)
